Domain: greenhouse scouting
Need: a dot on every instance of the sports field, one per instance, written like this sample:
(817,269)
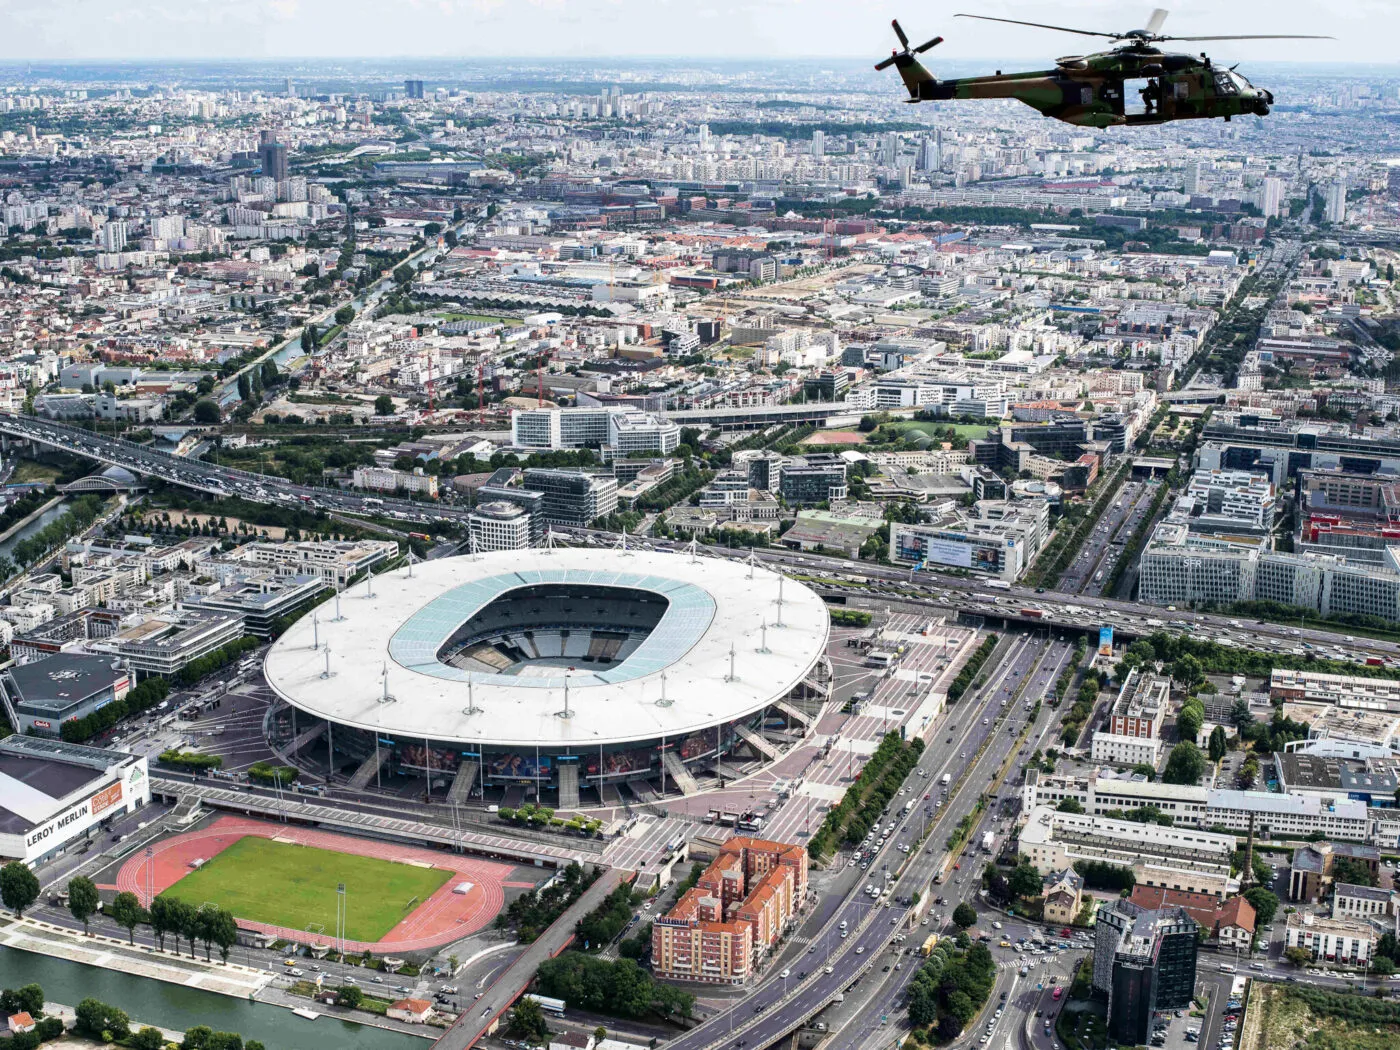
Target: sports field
(281,884)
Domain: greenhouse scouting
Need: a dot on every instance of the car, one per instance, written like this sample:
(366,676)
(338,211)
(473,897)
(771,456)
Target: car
(860,949)
(785,974)
(827,970)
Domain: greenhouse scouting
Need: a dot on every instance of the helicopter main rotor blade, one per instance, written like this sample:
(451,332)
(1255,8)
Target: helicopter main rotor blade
(1042,25)
(903,40)
(1270,36)
(1154,24)
(925,46)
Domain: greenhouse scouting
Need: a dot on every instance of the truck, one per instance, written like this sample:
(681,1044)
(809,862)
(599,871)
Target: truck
(988,841)
(1000,585)
(1034,614)
(908,806)
(947,779)
(930,942)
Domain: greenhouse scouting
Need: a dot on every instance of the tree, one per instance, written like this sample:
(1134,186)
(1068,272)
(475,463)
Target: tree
(1217,745)
(1186,669)
(1381,966)
(1070,805)
(1185,765)
(1190,720)
(268,373)
(1351,871)
(403,274)
(19,887)
(345,315)
(1297,956)
(349,995)
(527,1022)
(96,1020)
(29,998)
(148,1038)
(197,1038)
(599,1034)
(224,932)
(1026,881)
(1145,769)
(206,412)
(126,911)
(309,338)
(383,405)
(82,899)
(1265,904)
(964,915)
(162,922)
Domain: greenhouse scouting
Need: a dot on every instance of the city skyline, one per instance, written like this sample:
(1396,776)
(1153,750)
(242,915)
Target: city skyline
(316,29)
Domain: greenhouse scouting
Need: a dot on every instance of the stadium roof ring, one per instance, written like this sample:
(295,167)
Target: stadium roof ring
(564,649)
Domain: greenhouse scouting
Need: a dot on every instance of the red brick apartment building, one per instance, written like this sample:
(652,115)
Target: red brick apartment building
(738,909)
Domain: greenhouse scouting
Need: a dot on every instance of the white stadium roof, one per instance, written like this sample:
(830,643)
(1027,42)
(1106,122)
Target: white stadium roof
(712,605)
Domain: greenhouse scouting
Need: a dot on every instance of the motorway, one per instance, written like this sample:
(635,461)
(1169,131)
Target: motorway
(1094,562)
(856,931)
(978,596)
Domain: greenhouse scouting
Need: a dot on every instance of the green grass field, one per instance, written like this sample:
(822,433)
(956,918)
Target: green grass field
(294,886)
(967,430)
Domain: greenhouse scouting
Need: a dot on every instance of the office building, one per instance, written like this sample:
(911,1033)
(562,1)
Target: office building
(336,562)
(272,157)
(572,497)
(1171,857)
(737,911)
(163,645)
(59,795)
(65,686)
(1144,963)
(499,526)
(413,88)
(499,489)
(1183,568)
(1348,942)
(812,479)
(997,537)
(1310,871)
(1273,815)
(1314,687)
(633,432)
(261,602)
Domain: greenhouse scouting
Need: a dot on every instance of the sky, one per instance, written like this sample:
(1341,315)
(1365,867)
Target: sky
(48,30)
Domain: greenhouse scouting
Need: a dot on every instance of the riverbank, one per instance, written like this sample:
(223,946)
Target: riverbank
(109,953)
(30,517)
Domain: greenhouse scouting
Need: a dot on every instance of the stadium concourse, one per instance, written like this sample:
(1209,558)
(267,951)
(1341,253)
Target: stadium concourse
(789,797)
(444,917)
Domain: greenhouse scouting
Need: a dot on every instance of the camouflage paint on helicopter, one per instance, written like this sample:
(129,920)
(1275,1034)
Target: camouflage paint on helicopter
(1135,83)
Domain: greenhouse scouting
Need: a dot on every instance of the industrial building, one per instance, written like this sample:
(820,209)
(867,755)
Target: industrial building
(54,795)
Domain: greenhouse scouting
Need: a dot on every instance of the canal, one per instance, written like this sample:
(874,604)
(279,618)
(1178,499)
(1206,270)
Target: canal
(48,517)
(180,1008)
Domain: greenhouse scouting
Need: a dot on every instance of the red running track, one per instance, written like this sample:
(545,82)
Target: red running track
(441,919)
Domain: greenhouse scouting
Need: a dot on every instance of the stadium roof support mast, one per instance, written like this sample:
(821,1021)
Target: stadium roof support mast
(693,549)
(763,637)
(779,622)
(753,562)
(327,672)
(567,712)
(315,630)
(471,708)
(663,702)
(338,617)
(731,676)
(387,698)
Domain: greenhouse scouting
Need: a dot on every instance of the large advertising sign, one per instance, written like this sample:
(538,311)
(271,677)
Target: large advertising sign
(944,552)
(1105,641)
(105,799)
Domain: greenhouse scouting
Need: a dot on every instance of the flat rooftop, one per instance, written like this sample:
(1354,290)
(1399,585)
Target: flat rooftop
(400,622)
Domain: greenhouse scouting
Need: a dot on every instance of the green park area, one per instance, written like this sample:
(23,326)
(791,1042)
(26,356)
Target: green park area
(295,887)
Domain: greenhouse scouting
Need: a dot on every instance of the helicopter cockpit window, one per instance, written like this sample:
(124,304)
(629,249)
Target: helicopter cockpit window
(1225,84)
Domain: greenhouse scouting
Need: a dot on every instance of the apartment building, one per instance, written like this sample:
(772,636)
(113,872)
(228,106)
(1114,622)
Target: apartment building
(739,908)
(385,479)
(499,526)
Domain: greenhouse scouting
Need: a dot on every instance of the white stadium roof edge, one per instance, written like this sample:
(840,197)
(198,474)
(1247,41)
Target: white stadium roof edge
(713,605)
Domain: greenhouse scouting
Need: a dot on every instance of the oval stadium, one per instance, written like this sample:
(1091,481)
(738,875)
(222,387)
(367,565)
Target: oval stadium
(566,675)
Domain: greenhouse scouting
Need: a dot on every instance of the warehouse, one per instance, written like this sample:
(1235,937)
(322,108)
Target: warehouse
(53,794)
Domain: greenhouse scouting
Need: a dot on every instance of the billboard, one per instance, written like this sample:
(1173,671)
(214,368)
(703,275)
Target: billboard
(1105,641)
(108,797)
(944,552)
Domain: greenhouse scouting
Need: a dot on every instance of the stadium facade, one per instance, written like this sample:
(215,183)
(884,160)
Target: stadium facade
(564,672)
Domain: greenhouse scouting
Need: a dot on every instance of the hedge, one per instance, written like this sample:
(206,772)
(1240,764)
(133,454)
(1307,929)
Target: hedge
(970,669)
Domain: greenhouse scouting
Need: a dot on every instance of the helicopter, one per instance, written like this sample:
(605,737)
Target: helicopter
(1134,83)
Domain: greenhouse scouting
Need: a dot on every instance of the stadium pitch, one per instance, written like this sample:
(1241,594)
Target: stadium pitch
(293,886)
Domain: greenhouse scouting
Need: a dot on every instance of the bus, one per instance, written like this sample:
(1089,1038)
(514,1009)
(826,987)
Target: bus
(999,585)
(548,1005)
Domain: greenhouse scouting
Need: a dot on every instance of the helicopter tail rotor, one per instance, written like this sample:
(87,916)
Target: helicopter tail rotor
(903,56)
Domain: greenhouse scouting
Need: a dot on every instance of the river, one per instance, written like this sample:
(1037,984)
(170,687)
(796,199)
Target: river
(179,1008)
(48,517)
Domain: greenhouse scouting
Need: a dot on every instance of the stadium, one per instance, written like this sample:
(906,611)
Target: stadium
(561,675)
